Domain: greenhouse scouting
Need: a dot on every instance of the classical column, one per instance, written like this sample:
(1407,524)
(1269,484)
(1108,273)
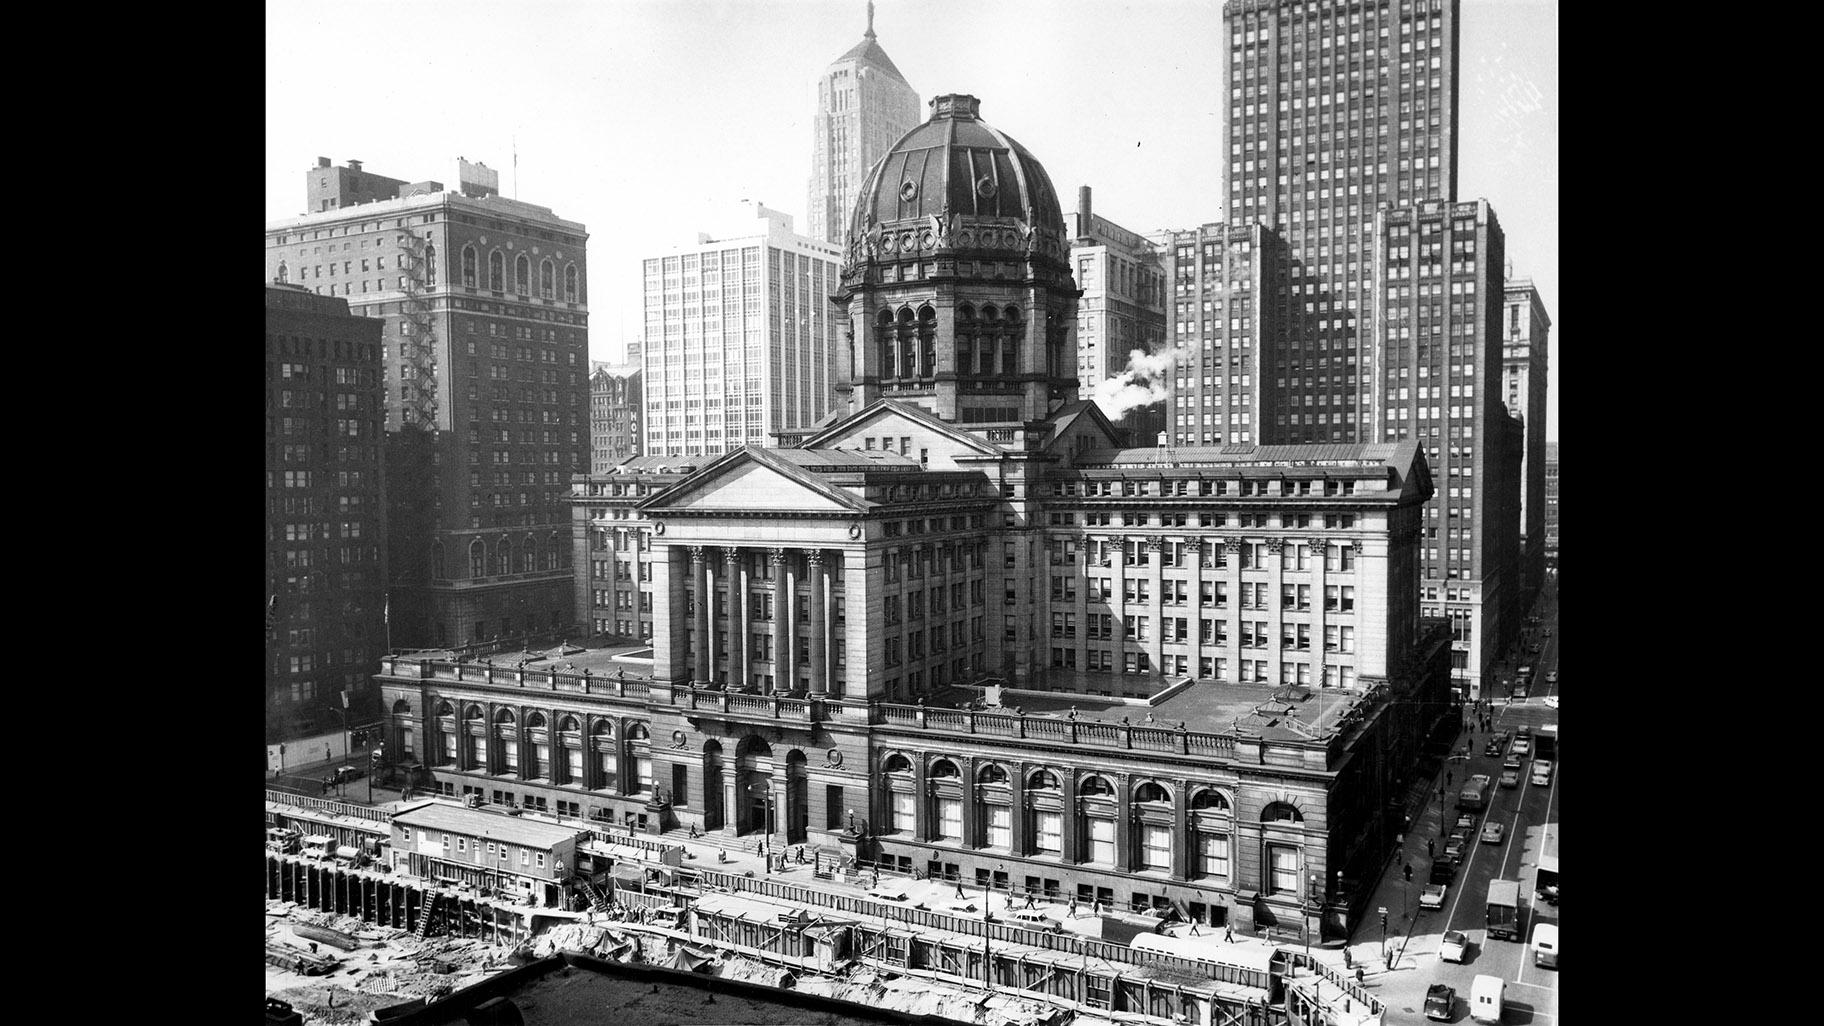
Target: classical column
(703,668)
(1067,824)
(1016,782)
(1080,570)
(782,607)
(819,640)
(1235,548)
(972,830)
(737,617)
(1117,602)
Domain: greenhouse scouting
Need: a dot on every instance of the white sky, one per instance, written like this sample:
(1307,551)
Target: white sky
(650,120)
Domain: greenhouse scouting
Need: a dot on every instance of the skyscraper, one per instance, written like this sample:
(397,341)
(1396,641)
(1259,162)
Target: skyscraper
(1223,281)
(484,347)
(863,106)
(1525,360)
(1122,309)
(1334,109)
(740,339)
(325,528)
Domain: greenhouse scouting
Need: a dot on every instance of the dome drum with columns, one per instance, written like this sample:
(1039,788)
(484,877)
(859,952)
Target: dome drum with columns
(957,280)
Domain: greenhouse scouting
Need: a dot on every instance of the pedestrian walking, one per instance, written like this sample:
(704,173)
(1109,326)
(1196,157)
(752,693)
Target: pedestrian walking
(1429,853)
(1073,908)
(959,890)
(1228,935)
(1194,931)
(1031,901)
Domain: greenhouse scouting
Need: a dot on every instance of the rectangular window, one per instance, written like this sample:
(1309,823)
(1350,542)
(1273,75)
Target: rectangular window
(1102,841)
(1156,847)
(1213,854)
(1284,862)
(905,814)
(950,819)
(1000,826)
(1049,832)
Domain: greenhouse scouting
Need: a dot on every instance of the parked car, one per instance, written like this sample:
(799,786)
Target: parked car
(1454,947)
(1442,871)
(1433,895)
(1542,772)
(1547,632)
(1520,691)
(1034,919)
(1456,845)
(1551,701)
(1440,1002)
(1492,833)
(1480,778)
(1552,677)
(1523,747)
(1466,821)
(1525,731)
(887,892)
(1493,748)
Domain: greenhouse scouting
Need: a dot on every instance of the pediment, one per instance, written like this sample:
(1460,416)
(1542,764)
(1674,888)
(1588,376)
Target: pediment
(752,485)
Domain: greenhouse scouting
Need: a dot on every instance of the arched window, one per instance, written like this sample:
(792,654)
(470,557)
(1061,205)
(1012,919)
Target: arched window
(535,720)
(469,267)
(497,271)
(908,344)
(987,342)
(1280,812)
(503,556)
(1207,799)
(430,266)
(478,559)
(284,272)
(927,341)
(569,725)
(570,284)
(965,339)
(474,713)
(505,715)
(528,559)
(991,774)
(1151,792)
(522,275)
(897,764)
(945,768)
(637,731)
(883,338)
(1095,786)
(547,280)
(1043,780)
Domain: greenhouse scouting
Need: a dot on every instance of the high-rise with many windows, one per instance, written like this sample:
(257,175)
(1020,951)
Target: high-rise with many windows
(863,106)
(325,525)
(615,409)
(484,351)
(1222,280)
(1335,108)
(1525,359)
(1121,310)
(740,339)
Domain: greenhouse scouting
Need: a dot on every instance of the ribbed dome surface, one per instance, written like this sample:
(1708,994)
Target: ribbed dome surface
(956,163)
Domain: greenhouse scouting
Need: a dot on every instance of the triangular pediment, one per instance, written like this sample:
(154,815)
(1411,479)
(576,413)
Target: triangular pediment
(749,480)
(889,419)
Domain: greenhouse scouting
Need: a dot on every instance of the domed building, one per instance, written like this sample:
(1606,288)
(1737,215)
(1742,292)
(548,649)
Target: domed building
(958,280)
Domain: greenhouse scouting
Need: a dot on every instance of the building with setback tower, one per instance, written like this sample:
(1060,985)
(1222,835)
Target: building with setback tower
(485,369)
(863,106)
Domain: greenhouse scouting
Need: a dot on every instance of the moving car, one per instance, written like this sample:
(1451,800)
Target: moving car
(1480,778)
(1494,747)
(1542,772)
(1523,747)
(1510,775)
(1552,677)
(1485,998)
(1433,895)
(1454,947)
(1440,1002)
(1521,690)
(1492,833)
(1545,945)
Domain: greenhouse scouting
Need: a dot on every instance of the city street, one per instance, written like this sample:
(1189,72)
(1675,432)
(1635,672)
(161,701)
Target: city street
(1414,934)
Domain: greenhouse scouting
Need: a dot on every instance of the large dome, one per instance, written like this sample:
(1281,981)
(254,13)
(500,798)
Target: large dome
(956,164)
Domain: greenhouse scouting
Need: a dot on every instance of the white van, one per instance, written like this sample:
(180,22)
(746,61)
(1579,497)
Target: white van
(1485,998)
(1545,945)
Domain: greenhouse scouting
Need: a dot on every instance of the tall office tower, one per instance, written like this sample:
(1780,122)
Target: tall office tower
(1334,109)
(1122,309)
(485,350)
(1439,268)
(1221,318)
(325,528)
(1551,504)
(863,106)
(1525,360)
(740,339)
(615,410)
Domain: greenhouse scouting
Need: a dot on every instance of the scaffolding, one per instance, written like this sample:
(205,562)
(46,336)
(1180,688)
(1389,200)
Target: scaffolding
(418,400)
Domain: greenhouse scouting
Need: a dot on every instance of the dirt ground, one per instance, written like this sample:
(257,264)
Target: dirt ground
(389,967)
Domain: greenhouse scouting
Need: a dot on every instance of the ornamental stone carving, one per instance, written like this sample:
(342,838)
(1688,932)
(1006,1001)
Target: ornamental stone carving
(697,554)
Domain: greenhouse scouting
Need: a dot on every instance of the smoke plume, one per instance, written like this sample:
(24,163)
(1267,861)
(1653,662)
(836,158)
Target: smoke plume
(1141,384)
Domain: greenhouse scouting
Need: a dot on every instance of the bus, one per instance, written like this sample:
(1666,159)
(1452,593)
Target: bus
(1504,909)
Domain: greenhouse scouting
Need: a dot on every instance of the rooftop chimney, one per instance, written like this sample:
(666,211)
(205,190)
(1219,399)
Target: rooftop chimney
(322,161)
(354,165)
(1083,210)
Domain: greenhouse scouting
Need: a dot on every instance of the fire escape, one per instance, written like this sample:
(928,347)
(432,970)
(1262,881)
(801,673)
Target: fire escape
(418,344)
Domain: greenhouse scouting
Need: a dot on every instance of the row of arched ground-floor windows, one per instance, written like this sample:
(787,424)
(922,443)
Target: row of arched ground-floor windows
(1149,837)
(505,556)
(596,753)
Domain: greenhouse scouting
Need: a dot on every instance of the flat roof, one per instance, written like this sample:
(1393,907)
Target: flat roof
(491,825)
(1214,706)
